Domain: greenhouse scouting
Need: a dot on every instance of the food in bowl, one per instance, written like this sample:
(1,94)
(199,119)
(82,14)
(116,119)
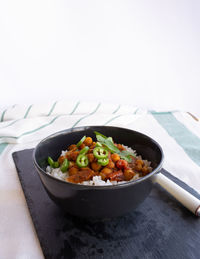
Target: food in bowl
(99,162)
(97,202)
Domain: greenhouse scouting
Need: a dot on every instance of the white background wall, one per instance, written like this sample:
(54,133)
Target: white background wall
(145,52)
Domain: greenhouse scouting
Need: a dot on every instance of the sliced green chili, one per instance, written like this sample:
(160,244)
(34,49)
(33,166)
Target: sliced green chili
(82,160)
(52,163)
(100,152)
(81,141)
(64,165)
(84,150)
(56,164)
(103,161)
(98,144)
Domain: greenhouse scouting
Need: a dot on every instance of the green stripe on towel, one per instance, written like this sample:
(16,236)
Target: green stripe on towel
(183,136)
(112,119)
(117,109)
(136,111)
(2,147)
(86,115)
(28,110)
(10,124)
(77,104)
(33,131)
(3,114)
(52,108)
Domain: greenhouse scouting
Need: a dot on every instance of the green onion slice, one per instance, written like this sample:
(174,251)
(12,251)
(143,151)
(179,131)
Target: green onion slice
(81,141)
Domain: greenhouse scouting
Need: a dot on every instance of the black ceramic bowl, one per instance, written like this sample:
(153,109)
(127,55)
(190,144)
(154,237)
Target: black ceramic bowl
(97,201)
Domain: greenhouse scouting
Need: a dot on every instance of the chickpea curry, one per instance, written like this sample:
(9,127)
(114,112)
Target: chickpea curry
(103,157)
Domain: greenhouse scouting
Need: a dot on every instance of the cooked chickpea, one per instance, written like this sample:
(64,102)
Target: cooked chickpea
(73,170)
(93,145)
(128,174)
(90,157)
(61,159)
(106,171)
(72,147)
(115,157)
(145,170)
(120,147)
(103,176)
(88,141)
(73,155)
(90,150)
(67,155)
(110,164)
(71,163)
(138,167)
(82,146)
(139,161)
(95,166)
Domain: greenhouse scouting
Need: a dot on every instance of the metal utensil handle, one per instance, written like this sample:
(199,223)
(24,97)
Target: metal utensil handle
(183,196)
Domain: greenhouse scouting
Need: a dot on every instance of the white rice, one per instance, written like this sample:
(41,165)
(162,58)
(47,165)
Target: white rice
(96,180)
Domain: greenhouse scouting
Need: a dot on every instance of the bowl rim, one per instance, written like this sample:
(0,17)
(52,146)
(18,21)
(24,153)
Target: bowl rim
(101,187)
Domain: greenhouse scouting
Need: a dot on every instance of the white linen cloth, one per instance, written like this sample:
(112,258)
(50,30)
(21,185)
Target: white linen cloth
(23,127)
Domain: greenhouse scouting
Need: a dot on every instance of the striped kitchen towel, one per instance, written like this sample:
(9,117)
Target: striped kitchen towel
(176,131)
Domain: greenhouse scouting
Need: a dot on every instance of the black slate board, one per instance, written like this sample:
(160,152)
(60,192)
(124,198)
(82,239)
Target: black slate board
(159,228)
